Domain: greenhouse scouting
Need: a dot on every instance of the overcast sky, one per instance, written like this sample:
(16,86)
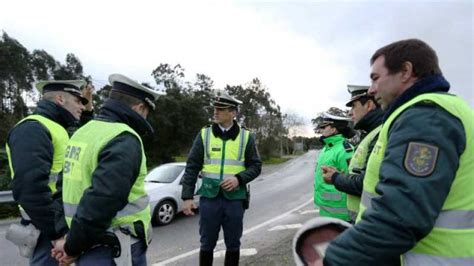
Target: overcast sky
(305,52)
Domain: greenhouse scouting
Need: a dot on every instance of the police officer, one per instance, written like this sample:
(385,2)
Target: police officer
(337,152)
(35,149)
(367,117)
(103,191)
(227,157)
(417,201)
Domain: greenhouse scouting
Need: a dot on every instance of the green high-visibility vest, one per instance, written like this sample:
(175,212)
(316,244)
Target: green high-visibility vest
(332,202)
(451,242)
(222,159)
(59,138)
(359,161)
(81,160)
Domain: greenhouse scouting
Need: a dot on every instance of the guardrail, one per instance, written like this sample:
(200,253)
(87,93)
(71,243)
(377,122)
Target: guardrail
(6,196)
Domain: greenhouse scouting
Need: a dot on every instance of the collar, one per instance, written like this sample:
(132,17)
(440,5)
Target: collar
(332,140)
(433,83)
(232,133)
(116,111)
(225,129)
(370,121)
(56,113)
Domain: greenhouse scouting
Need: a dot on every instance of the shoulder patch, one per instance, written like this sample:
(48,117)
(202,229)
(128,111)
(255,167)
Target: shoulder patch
(420,158)
(348,147)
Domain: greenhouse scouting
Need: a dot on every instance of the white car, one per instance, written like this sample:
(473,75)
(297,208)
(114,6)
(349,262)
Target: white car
(163,185)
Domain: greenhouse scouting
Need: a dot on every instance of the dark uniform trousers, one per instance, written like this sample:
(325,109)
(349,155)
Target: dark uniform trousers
(42,254)
(217,212)
(102,256)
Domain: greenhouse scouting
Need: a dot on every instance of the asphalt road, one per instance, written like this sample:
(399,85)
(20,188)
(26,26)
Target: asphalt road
(281,201)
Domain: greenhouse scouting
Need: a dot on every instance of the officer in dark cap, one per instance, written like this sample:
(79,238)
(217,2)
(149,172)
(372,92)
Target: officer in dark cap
(226,155)
(35,149)
(106,208)
(367,117)
(337,152)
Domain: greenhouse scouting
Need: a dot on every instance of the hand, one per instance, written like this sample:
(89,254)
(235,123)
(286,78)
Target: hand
(230,183)
(59,254)
(317,263)
(188,206)
(327,172)
(87,93)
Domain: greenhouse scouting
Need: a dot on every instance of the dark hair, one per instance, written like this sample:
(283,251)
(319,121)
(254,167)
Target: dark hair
(364,99)
(418,53)
(343,128)
(124,98)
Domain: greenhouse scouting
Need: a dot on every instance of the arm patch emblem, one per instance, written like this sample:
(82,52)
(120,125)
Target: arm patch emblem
(420,158)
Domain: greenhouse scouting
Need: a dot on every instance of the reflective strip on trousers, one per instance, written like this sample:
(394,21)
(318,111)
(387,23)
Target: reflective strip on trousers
(448,219)
(334,210)
(334,196)
(411,258)
(216,176)
(226,162)
(131,208)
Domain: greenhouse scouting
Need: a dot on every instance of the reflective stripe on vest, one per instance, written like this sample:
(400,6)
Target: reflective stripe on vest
(359,161)
(331,196)
(425,259)
(81,160)
(336,210)
(451,241)
(59,138)
(222,159)
(215,176)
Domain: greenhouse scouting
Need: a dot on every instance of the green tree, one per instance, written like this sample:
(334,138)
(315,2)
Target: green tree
(72,70)
(15,80)
(43,65)
(260,113)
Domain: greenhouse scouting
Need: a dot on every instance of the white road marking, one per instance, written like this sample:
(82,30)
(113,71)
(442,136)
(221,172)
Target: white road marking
(245,252)
(310,211)
(284,227)
(195,251)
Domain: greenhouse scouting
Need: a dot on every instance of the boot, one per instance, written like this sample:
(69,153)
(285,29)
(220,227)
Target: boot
(232,258)
(205,258)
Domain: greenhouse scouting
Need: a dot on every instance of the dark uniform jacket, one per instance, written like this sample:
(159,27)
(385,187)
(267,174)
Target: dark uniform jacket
(31,150)
(410,205)
(195,162)
(119,166)
(354,182)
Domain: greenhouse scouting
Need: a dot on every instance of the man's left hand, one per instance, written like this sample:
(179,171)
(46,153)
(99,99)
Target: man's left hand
(230,183)
(327,172)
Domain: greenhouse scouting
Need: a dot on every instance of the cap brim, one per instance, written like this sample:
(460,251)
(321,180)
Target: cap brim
(83,99)
(349,103)
(124,79)
(76,83)
(324,124)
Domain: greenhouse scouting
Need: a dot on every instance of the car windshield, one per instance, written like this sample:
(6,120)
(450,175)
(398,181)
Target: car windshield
(164,173)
